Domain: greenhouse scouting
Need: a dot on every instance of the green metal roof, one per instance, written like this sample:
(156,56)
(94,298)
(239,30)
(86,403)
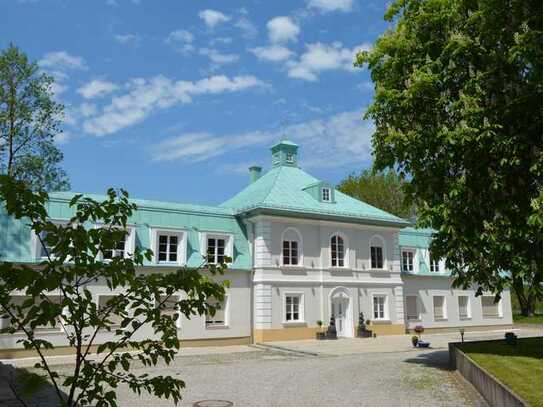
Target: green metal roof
(147,204)
(282,189)
(412,237)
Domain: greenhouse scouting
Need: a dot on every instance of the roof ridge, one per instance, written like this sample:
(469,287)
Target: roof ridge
(273,183)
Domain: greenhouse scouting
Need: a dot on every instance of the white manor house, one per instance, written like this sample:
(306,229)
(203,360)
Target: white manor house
(301,251)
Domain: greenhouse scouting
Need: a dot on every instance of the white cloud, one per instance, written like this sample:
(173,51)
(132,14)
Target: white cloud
(248,29)
(282,29)
(63,137)
(180,36)
(61,60)
(218,58)
(274,53)
(87,109)
(331,5)
(57,88)
(181,40)
(322,57)
(213,17)
(144,96)
(97,88)
(127,39)
(338,140)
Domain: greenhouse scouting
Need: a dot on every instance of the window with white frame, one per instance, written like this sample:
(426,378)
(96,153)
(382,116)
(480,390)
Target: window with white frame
(379,307)
(106,304)
(122,245)
(440,311)
(290,252)
(326,194)
(290,158)
(491,308)
(293,303)
(219,318)
(377,253)
(463,307)
(168,306)
(43,246)
(407,261)
(337,251)
(412,308)
(168,245)
(18,300)
(291,247)
(216,250)
(434,264)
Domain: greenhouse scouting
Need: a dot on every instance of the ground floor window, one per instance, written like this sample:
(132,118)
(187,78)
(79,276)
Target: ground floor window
(411,307)
(463,307)
(105,306)
(439,307)
(379,307)
(18,300)
(169,307)
(491,308)
(219,318)
(293,307)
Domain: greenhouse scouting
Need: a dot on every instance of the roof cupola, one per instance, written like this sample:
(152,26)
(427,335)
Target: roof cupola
(285,153)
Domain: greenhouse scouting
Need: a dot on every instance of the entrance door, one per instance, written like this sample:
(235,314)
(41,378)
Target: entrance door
(339,308)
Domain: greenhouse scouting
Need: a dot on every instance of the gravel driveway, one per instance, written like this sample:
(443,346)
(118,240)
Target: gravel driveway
(273,378)
(268,378)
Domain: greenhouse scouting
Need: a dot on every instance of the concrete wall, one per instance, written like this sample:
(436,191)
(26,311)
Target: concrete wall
(493,391)
(425,287)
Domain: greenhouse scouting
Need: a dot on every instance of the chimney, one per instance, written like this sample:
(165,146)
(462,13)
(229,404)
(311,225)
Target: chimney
(255,172)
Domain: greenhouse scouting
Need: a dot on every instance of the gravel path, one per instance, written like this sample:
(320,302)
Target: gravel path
(268,378)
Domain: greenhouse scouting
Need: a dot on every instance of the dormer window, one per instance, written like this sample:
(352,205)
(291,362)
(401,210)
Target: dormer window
(326,195)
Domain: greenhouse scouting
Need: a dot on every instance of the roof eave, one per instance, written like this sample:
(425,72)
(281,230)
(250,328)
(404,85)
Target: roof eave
(329,217)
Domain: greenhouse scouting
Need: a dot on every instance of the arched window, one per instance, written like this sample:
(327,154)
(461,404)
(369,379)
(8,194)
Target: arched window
(377,253)
(337,251)
(291,247)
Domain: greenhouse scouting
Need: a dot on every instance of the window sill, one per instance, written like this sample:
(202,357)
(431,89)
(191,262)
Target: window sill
(414,320)
(289,267)
(377,270)
(213,327)
(294,323)
(441,319)
(380,321)
(338,268)
(465,318)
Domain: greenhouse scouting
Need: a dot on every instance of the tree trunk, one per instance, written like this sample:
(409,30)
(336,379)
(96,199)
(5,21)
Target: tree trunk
(525,299)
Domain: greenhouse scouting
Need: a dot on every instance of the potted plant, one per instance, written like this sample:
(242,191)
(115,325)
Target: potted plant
(419,329)
(331,332)
(320,333)
(414,340)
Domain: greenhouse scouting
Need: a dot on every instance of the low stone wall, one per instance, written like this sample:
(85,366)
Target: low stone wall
(494,392)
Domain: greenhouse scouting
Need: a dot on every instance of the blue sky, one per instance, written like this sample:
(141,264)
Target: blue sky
(174,100)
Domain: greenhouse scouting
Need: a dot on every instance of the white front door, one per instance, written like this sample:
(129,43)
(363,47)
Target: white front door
(339,308)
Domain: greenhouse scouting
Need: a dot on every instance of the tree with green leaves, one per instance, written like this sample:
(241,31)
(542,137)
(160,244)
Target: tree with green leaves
(382,189)
(58,294)
(29,121)
(458,106)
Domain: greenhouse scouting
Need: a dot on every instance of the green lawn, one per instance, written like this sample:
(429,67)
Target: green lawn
(536,319)
(520,367)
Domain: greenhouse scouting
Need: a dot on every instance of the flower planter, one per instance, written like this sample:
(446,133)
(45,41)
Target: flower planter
(422,344)
(321,335)
(364,334)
